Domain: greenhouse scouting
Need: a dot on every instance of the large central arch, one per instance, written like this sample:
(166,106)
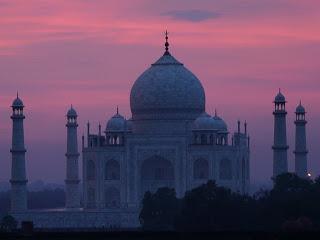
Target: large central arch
(156,172)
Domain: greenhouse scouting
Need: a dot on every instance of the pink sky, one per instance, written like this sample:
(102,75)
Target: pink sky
(89,53)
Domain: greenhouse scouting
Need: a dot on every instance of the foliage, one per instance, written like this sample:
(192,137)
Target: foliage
(8,223)
(292,205)
(159,210)
(292,198)
(210,207)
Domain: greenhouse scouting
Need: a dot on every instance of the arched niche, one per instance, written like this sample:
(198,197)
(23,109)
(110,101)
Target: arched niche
(156,172)
(91,170)
(200,169)
(225,169)
(112,170)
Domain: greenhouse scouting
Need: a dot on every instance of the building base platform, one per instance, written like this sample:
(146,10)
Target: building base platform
(80,218)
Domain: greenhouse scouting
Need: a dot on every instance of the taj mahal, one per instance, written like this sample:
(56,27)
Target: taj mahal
(169,141)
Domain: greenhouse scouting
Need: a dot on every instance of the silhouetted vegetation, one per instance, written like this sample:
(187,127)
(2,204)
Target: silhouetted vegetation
(8,224)
(36,200)
(292,205)
(159,210)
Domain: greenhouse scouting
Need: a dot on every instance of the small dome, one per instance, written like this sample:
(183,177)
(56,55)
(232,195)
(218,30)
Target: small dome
(116,124)
(17,102)
(220,124)
(204,122)
(279,98)
(71,112)
(300,109)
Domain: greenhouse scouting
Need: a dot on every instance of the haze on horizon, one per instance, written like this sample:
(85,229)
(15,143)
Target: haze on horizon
(89,53)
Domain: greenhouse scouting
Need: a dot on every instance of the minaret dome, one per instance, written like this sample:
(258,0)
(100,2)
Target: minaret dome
(280,102)
(71,112)
(17,103)
(72,115)
(17,106)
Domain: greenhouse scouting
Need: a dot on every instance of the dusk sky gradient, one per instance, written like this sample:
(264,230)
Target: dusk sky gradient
(89,53)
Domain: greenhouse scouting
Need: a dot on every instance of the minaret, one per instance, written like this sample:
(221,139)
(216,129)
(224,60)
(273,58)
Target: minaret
(300,151)
(18,169)
(72,180)
(280,147)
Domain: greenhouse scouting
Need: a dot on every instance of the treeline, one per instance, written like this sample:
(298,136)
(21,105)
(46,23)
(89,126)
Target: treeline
(292,205)
(36,200)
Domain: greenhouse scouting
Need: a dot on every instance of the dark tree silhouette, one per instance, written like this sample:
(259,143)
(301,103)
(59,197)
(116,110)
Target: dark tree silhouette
(8,223)
(290,199)
(159,210)
(292,205)
(210,207)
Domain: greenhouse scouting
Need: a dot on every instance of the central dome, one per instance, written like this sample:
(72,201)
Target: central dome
(167,90)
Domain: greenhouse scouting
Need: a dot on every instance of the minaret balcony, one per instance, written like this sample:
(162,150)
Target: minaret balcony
(280,147)
(18,150)
(72,154)
(18,181)
(302,152)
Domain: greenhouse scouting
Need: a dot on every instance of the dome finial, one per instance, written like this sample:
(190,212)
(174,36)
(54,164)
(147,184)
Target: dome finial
(117,110)
(300,109)
(215,112)
(17,102)
(166,44)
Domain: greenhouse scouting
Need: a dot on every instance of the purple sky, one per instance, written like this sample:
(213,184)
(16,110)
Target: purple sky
(89,53)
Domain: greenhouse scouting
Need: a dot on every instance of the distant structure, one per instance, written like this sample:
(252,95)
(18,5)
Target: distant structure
(300,143)
(72,174)
(280,147)
(18,169)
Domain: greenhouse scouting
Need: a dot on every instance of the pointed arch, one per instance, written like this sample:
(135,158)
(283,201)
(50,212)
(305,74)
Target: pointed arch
(201,169)
(91,170)
(225,169)
(243,169)
(112,170)
(156,172)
